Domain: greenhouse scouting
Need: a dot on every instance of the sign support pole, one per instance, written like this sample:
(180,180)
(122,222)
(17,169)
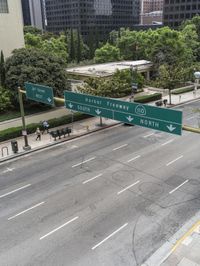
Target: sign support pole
(101,124)
(26,146)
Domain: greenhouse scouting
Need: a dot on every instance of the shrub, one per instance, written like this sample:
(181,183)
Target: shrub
(148,98)
(182,90)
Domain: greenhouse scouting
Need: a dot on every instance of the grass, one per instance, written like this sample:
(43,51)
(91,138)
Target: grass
(28,111)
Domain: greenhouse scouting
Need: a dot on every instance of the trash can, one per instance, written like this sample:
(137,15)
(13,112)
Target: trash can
(14,146)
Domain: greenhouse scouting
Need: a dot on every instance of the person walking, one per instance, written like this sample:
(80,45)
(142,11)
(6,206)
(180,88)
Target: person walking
(38,134)
(45,126)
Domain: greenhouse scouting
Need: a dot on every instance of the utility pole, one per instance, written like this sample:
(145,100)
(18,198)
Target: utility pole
(24,132)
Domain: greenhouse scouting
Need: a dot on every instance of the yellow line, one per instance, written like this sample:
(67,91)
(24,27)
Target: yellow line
(185,236)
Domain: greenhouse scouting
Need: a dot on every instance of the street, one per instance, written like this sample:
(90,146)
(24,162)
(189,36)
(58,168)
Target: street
(109,198)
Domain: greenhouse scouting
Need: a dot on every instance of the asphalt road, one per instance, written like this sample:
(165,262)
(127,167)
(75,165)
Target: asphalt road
(108,199)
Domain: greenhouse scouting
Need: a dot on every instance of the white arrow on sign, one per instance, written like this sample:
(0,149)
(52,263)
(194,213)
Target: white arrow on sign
(129,118)
(98,111)
(171,128)
(70,105)
(49,99)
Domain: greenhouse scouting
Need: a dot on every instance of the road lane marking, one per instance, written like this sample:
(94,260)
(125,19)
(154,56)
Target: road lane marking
(191,117)
(178,186)
(8,170)
(83,162)
(174,160)
(119,229)
(56,229)
(133,159)
(128,187)
(33,207)
(167,142)
(86,181)
(149,135)
(122,146)
(13,191)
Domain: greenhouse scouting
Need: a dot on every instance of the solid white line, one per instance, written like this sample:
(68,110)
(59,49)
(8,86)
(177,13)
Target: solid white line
(169,141)
(133,158)
(110,236)
(86,181)
(174,160)
(178,186)
(128,187)
(191,117)
(56,229)
(148,135)
(122,146)
(1,196)
(35,206)
(83,162)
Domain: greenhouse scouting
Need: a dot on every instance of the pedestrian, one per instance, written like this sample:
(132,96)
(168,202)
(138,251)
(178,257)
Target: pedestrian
(38,134)
(45,125)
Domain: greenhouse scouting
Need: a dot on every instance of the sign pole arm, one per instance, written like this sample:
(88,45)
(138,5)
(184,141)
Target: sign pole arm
(26,146)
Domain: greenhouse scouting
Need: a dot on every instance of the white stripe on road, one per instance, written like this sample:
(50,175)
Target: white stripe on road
(56,229)
(179,186)
(83,162)
(133,159)
(8,170)
(122,146)
(35,206)
(191,117)
(167,142)
(174,160)
(149,135)
(110,236)
(86,181)
(128,187)
(13,191)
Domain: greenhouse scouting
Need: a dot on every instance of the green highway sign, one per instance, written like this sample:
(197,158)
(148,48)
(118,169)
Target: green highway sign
(157,118)
(39,93)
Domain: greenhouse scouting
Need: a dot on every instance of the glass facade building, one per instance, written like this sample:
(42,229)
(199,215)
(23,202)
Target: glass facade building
(99,16)
(176,11)
(3,6)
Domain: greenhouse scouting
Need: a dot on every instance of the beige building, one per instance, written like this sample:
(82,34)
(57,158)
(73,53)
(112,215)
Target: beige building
(11,26)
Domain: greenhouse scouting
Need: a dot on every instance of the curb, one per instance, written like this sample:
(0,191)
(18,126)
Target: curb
(55,143)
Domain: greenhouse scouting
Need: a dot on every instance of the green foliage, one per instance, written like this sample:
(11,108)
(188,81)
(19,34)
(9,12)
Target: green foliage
(182,90)
(107,53)
(148,98)
(15,132)
(32,30)
(5,100)
(35,66)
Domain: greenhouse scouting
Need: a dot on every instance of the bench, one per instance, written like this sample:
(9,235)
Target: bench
(60,132)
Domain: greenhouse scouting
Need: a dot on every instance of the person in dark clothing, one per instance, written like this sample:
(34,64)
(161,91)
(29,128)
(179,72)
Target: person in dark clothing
(45,126)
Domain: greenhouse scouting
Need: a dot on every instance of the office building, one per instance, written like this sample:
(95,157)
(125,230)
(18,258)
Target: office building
(33,13)
(97,16)
(151,12)
(11,26)
(176,11)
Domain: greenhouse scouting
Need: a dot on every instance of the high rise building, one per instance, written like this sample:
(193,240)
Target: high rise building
(33,13)
(99,16)
(151,11)
(11,26)
(176,11)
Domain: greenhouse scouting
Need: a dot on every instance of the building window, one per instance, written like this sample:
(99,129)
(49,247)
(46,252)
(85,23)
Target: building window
(3,6)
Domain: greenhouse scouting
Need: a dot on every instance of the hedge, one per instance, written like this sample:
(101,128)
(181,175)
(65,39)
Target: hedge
(148,98)
(182,90)
(15,132)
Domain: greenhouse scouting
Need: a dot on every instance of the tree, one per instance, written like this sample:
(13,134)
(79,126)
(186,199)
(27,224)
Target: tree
(32,30)
(72,46)
(2,70)
(5,100)
(35,66)
(78,47)
(107,53)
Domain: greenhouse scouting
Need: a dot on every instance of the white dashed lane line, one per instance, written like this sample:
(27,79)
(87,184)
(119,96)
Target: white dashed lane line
(83,162)
(149,135)
(33,207)
(134,158)
(167,142)
(88,180)
(8,170)
(105,239)
(190,118)
(174,160)
(121,191)
(173,190)
(120,147)
(13,191)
